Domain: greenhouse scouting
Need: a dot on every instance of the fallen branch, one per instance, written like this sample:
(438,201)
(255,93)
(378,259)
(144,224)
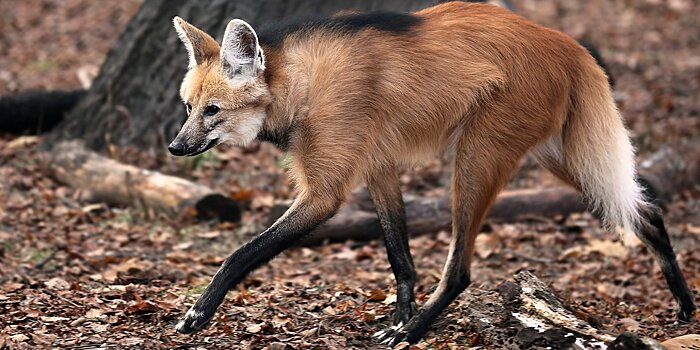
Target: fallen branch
(527,315)
(101,179)
(358,221)
(666,173)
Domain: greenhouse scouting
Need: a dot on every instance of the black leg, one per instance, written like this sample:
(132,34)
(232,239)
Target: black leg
(448,291)
(298,221)
(479,174)
(653,234)
(386,195)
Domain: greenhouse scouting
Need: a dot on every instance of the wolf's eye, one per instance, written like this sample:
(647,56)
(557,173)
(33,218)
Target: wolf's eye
(188,107)
(211,110)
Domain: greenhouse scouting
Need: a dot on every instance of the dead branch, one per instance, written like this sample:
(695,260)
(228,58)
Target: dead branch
(101,179)
(527,315)
(666,173)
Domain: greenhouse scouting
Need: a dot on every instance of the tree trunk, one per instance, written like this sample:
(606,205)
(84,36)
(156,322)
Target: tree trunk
(134,100)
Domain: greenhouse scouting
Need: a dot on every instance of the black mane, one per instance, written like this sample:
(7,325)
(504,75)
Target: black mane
(273,34)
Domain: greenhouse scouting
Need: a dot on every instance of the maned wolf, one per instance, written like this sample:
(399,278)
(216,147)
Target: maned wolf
(352,98)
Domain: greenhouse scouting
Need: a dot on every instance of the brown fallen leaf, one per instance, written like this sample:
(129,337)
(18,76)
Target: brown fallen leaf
(402,345)
(244,195)
(277,346)
(390,299)
(376,295)
(604,247)
(611,290)
(93,207)
(368,316)
(255,328)
(19,338)
(693,229)
(57,283)
(344,254)
(131,266)
(309,332)
(78,321)
(329,310)
(630,324)
(685,342)
(607,248)
(141,307)
(20,142)
(209,235)
(486,244)
(44,340)
(11,286)
(94,313)
(262,201)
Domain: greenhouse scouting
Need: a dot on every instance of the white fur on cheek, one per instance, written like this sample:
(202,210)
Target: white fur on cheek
(244,132)
(248,129)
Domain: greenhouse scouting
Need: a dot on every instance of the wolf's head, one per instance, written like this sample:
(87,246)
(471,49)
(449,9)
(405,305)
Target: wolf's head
(224,90)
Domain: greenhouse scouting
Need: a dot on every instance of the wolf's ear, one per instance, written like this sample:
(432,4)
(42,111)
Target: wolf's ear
(241,54)
(200,45)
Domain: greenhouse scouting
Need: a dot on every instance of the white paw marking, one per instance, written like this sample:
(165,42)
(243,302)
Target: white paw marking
(388,336)
(379,334)
(192,313)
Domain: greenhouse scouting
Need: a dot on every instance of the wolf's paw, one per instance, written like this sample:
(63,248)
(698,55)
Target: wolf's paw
(685,315)
(411,332)
(392,335)
(193,321)
(404,312)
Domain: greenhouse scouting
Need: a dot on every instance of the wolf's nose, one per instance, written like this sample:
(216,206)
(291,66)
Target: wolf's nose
(177,148)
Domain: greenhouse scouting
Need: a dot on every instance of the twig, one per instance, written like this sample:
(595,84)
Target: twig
(45,260)
(62,298)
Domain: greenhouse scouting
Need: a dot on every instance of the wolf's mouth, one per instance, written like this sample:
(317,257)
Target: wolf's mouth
(207,147)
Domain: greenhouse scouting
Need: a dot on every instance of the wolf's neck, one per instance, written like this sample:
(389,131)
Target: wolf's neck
(288,99)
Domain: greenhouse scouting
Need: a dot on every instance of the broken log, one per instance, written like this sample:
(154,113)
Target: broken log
(104,180)
(671,170)
(665,174)
(526,314)
(357,220)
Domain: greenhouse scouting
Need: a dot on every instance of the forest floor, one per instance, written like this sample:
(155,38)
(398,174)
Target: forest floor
(83,275)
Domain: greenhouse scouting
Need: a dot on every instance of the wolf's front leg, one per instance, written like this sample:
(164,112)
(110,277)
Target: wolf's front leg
(306,213)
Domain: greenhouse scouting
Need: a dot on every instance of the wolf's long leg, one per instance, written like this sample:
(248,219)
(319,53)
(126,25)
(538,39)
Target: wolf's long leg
(306,213)
(653,234)
(483,164)
(383,186)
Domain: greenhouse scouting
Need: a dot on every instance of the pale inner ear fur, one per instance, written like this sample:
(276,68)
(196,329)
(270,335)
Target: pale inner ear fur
(200,45)
(241,54)
(186,41)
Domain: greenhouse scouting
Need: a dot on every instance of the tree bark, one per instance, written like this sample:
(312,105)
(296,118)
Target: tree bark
(134,99)
(102,179)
